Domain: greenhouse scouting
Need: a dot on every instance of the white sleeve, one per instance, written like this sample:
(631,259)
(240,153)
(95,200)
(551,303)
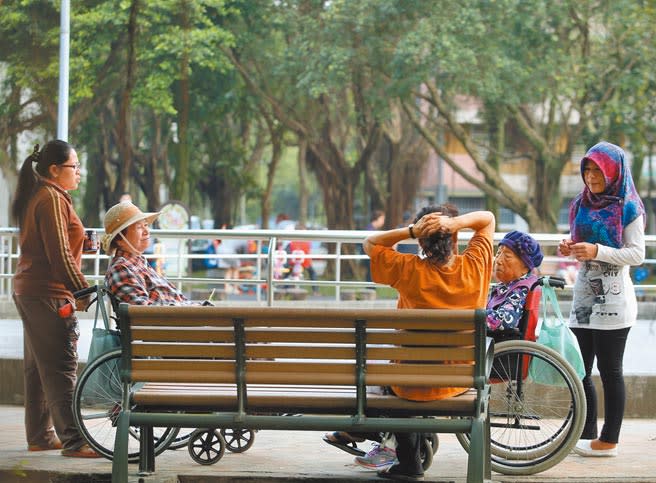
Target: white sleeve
(633,251)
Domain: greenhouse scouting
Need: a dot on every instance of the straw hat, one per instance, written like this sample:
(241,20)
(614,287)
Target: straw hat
(119,217)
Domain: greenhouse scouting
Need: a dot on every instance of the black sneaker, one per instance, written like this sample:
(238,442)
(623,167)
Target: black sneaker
(395,473)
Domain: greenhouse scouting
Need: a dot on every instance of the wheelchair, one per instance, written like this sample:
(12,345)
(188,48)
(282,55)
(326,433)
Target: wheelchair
(533,425)
(98,400)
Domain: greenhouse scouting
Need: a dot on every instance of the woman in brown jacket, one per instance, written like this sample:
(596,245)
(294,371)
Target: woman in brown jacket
(48,272)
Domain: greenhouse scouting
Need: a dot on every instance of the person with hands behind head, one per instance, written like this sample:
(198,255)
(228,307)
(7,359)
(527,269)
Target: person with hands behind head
(607,224)
(51,237)
(438,277)
(129,277)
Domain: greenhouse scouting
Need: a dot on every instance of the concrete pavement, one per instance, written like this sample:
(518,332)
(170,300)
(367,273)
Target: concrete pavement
(284,456)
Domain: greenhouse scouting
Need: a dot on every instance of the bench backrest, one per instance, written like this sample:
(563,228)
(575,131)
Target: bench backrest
(298,346)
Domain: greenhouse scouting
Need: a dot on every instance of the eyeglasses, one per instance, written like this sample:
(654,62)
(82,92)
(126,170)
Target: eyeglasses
(75,166)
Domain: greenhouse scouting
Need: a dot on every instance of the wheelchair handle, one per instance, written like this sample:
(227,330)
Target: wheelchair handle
(86,291)
(555,282)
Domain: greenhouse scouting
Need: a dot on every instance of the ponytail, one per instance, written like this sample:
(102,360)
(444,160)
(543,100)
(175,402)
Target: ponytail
(27,180)
(54,152)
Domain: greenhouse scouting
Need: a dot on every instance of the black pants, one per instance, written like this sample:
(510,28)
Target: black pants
(408,452)
(607,346)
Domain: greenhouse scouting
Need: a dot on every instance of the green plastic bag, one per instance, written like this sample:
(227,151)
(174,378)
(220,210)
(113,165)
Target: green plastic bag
(103,340)
(555,334)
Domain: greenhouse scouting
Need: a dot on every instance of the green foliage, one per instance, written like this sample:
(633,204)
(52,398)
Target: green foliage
(330,73)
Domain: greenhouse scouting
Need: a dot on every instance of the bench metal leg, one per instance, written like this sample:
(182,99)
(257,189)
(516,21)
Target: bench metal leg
(478,464)
(120,461)
(146,450)
(487,460)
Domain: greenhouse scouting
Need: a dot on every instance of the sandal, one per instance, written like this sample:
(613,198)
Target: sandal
(54,444)
(84,451)
(345,442)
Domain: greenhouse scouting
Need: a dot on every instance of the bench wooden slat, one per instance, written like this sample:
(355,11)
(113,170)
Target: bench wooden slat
(186,334)
(282,351)
(427,375)
(192,365)
(188,350)
(419,324)
(422,353)
(227,366)
(272,314)
(463,369)
(294,398)
(307,336)
(419,338)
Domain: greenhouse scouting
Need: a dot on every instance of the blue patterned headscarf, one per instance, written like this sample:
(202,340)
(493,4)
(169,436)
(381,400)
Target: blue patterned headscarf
(601,218)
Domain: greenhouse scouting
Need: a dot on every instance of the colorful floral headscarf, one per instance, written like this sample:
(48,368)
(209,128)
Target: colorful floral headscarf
(601,218)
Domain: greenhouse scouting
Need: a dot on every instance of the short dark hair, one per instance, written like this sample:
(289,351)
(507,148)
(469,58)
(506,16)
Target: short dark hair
(439,246)
(376,214)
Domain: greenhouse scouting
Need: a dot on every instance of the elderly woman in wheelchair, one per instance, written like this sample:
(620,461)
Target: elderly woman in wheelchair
(518,256)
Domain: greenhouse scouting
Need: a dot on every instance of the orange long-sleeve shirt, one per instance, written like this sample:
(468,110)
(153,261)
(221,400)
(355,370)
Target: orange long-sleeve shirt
(50,239)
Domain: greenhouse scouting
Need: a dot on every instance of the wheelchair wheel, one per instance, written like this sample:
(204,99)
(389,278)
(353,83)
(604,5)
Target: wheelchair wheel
(434,441)
(426,452)
(97,401)
(533,424)
(206,446)
(238,440)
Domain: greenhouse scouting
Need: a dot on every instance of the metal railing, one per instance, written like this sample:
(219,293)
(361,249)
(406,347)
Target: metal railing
(332,250)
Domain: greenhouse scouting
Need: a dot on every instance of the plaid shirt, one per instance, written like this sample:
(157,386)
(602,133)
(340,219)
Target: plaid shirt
(132,280)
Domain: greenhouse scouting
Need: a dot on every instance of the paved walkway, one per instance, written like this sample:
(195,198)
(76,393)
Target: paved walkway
(284,456)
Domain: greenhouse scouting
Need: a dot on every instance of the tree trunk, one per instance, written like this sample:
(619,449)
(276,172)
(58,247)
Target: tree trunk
(497,135)
(94,183)
(150,178)
(276,153)
(303,191)
(124,127)
(545,196)
(181,181)
(337,189)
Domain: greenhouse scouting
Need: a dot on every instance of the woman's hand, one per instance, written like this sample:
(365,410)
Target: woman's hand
(565,247)
(82,304)
(432,223)
(584,251)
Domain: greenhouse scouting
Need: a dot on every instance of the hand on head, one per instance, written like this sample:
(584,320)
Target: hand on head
(433,223)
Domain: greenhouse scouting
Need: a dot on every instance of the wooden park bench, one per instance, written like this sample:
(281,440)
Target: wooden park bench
(243,367)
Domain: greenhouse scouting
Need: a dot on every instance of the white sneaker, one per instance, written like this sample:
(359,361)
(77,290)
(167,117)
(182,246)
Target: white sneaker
(584,448)
(378,458)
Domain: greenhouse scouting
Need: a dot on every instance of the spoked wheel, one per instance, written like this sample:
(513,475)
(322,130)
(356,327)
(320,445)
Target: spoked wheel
(426,452)
(206,446)
(97,402)
(537,408)
(434,441)
(238,440)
